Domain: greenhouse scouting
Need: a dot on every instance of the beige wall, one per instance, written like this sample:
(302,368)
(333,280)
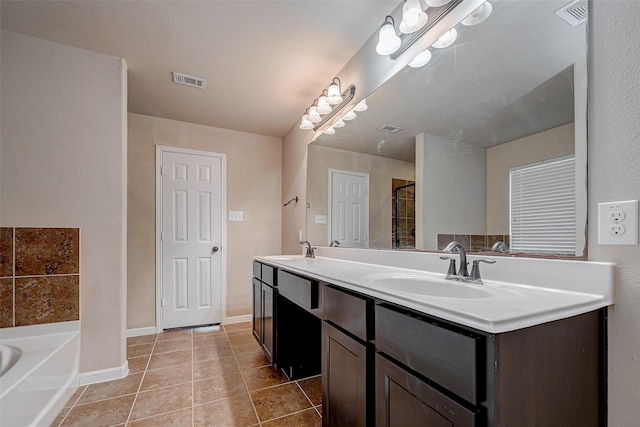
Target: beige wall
(551,143)
(614,174)
(254,182)
(381,171)
(63,165)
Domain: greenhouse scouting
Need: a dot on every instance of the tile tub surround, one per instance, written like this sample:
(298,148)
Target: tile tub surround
(39,275)
(197,377)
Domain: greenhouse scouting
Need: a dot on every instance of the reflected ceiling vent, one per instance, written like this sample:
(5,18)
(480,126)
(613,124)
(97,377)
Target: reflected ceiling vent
(183,79)
(575,13)
(389,128)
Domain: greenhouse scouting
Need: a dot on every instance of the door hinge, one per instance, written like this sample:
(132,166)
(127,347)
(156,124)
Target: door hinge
(161,302)
(161,170)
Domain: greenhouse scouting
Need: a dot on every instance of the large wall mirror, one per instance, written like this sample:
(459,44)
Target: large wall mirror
(468,147)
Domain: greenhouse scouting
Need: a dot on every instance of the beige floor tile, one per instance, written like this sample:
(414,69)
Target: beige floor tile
(162,400)
(214,388)
(245,346)
(165,377)
(278,401)
(172,335)
(240,335)
(73,399)
(167,346)
(204,330)
(139,350)
(266,376)
(237,326)
(100,414)
(214,368)
(211,352)
(319,410)
(253,359)
(210,340)
(312,387)
(110,389)
(180,418)
(137,364)
(308,418)
(60,417)
(227,412)
(143,339)
(174,358)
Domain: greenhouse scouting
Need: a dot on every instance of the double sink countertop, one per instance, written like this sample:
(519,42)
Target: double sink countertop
(494,307)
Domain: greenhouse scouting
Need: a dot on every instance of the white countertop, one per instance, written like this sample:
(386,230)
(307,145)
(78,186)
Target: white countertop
(494,307)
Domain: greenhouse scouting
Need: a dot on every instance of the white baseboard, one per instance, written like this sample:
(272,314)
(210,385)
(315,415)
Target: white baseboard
(237,319)
(137,332)
(104,375)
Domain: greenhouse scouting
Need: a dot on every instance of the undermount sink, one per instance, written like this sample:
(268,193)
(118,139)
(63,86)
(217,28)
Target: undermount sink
(429,286)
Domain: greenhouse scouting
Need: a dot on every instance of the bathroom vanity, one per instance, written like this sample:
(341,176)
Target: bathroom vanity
(399,356)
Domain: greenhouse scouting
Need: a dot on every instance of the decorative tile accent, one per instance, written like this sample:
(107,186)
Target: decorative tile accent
(47,299)
(6,302)
(44,251)
(492,239)
(444,240)
(478,243)
(6,252)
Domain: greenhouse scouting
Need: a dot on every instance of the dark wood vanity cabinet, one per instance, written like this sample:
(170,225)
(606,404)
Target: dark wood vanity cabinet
(264,311)
(347,359)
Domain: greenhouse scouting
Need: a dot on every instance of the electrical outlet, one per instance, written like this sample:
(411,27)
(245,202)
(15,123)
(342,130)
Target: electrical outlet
(236,216)
(618,223)
(299,235)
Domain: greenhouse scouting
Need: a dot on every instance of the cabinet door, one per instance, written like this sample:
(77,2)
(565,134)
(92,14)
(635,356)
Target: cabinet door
(344,382)
(257,310)
(267,321)
(403,400)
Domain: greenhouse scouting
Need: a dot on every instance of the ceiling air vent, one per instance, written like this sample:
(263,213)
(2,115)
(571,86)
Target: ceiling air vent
(183,79)
(575,13)
(390,128)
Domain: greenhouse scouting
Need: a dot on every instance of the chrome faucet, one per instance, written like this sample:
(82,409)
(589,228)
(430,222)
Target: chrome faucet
(335,244)
(462,272)
(309,252)
(500,247)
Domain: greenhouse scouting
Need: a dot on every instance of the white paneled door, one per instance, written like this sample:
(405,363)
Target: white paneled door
(191,239)
(349,208)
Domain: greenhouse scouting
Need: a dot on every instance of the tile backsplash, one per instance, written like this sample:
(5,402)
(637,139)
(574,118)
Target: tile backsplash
(39,275)
(473,242)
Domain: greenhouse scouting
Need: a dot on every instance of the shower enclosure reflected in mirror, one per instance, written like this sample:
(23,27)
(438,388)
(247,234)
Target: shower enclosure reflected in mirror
(450,150)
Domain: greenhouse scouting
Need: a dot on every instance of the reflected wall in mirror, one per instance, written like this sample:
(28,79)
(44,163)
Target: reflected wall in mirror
(507,97)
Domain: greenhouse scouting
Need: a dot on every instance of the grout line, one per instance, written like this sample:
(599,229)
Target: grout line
(233,352)
(292,413)
(141,381)
(193,382)
(304,393)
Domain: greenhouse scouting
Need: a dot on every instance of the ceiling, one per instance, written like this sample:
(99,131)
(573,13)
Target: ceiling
(264,61)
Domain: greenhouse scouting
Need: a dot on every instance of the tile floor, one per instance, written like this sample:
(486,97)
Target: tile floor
(197,377)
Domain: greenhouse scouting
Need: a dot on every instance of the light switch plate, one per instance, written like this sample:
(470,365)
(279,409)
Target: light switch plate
(321,219)
(236,216)
(618,223)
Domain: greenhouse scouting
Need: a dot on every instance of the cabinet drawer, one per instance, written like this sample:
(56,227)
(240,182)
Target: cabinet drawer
(448,357)
(257,270)
(346,310)
(300,290)
(269,274)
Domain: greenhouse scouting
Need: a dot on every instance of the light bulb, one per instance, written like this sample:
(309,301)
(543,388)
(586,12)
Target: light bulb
(413,18)
(436,3)
(305,123)
(339,124)
(330,131)
(333,94)
(388,40)
(349,116)
(421,59)
(314,116)
(323,105)
(446,39)
(478,15)
(362,106)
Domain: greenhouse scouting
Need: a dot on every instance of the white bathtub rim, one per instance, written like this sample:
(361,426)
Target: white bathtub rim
(44,329)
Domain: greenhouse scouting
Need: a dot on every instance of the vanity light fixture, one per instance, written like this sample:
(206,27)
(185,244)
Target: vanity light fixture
(388,40)
(421,59)
(413,17)
(334,96)
(339,124)
(478,15)
(436,3)
(330,131)
(305,123)
(314,115)
(446,39)
(323,105)
(362,106)
(349,116)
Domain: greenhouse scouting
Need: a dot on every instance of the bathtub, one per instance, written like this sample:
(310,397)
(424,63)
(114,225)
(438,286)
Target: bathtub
(39,369)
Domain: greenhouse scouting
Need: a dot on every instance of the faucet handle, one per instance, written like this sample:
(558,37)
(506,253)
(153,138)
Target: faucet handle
(452,265)
(475,269)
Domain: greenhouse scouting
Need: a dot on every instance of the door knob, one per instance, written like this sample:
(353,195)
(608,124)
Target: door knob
(215,249)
